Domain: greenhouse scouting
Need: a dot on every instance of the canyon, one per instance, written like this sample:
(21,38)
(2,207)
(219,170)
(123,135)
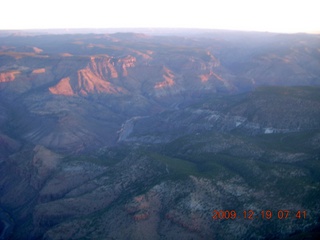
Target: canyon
(142,136)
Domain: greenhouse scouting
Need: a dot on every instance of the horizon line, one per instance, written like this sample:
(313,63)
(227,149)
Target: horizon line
(149,29)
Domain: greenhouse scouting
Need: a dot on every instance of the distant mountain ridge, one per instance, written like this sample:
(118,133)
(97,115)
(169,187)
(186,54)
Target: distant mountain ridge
(205,63)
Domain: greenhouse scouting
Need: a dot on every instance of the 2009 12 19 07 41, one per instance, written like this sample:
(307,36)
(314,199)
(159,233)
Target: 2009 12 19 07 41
(264,214)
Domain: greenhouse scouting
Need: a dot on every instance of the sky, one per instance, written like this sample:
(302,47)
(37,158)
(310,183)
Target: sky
(287,16)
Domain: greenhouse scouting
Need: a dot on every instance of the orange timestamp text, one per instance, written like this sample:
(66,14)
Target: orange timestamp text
(264,214)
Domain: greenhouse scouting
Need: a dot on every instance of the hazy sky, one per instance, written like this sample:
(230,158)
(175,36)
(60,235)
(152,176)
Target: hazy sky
(261,15)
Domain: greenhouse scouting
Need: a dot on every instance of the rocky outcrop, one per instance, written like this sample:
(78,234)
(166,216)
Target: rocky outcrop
(62,88)
(95,77)
(88,82)
(8,76)
(39,70)
(168,81)
(125,63)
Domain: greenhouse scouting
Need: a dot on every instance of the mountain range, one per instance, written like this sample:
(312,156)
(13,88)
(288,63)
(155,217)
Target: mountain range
(143,136)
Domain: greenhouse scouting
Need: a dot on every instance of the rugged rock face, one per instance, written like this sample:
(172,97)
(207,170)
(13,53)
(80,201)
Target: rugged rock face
(8,76)
(157,66)
(129,136)
(93,79)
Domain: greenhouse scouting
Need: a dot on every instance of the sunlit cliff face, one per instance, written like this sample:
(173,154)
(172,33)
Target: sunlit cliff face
(95,77)
(62,88)
(168,79)
(8,76)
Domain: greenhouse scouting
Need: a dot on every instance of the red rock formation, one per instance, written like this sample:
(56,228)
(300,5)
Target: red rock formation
(8,76)
(127,62)
(168,77)
(88,82)
(103,67)
(62,88)
(94,78)
(39,70)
